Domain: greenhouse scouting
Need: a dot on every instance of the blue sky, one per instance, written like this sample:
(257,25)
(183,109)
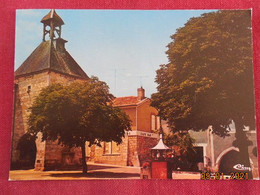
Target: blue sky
(124,48)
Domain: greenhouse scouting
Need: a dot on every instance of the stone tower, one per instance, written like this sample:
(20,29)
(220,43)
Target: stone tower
(49,63)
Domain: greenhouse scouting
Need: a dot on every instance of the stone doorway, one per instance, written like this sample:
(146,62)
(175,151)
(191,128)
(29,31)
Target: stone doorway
(27,152)
(227,162)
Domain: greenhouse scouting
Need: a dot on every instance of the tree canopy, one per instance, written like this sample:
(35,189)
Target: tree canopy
(182,140)
(209,78)
(78,113)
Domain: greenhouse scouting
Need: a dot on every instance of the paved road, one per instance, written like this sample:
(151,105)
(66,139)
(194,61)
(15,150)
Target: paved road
(96,171)
(185,175)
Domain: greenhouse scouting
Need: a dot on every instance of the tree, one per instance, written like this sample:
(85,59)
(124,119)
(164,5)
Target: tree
(184,153)
(78,113)
(209,77)
(182,140)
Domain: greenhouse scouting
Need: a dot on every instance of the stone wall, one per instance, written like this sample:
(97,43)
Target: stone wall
(217,147)
(49,155)
(57,156)
(26,89)
(139,149)
(224,145)
(62,78)
(118,158)
(133,151)
(144,147)
(133,158)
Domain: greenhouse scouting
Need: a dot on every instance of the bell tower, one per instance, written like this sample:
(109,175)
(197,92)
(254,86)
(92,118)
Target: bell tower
(52,26)
(49,63)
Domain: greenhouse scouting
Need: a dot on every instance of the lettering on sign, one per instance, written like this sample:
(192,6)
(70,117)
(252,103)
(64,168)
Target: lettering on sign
(144,134)
(241,167)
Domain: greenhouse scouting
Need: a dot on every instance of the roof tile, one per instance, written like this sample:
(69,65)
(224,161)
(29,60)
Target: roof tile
(46,57)
(126,101)
(52,15)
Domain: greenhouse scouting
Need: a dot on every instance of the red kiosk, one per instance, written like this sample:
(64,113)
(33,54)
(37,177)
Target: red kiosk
(160,166)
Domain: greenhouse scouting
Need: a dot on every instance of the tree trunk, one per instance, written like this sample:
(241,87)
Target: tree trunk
(242,143)
(84,164)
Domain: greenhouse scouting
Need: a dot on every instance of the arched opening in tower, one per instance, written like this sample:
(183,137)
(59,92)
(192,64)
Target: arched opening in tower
(27,149)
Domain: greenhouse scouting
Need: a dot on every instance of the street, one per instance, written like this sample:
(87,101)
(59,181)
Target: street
(95,171)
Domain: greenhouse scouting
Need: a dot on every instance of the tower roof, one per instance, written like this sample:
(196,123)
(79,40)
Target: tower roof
(160,145)
(52,15)
(47,57)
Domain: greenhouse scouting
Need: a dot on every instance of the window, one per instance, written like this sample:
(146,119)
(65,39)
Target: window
(29,89)
(107,148)
(158,122)
(155,122)
(111,148)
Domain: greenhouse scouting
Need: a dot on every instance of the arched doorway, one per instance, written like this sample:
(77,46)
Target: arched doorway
(231,158)
(27,149)
(228,161)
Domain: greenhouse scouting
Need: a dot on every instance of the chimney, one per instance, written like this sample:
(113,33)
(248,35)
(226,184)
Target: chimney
(140,93)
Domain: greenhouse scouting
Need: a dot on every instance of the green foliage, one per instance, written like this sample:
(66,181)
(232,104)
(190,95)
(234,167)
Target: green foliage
(182,140)
(209,77)
(182,144)
(78,113)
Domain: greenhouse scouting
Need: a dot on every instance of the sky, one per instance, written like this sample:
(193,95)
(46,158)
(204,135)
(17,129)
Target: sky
(124,48)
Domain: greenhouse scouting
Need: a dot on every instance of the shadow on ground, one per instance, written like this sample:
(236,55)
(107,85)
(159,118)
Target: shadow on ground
(99,174)
(67,168)
(98,167)
(79,168)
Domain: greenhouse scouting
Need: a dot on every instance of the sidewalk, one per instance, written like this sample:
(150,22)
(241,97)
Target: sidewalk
(185,175)
(95,171)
